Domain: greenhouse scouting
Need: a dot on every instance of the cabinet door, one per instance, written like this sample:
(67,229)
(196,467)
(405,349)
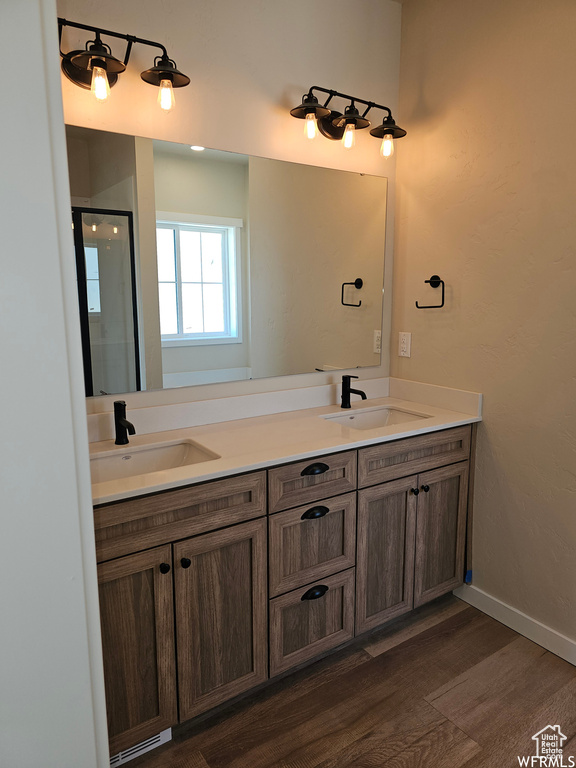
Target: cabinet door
(310,621)
(440,532)
(385,554)
(221,615)
(136,613)
(311,542)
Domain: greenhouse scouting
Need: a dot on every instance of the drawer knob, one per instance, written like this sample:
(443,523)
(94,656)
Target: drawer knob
(425,488)
(164,568)
(315,469)
(314,513)
(315,592)
(415,491)
(185,562)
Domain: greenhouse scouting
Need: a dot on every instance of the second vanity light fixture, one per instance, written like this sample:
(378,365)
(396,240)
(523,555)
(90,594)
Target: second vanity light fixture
(95,67)
(337,126)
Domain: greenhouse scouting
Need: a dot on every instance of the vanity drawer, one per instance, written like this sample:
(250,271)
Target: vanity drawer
(306,481)
(131,526)
(399,458)
(310,621)
(308,543)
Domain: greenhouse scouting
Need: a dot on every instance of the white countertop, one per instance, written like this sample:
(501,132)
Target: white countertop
(254,443)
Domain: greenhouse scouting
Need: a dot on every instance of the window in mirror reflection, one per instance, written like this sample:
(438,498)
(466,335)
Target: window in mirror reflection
(92,278)
(197,283)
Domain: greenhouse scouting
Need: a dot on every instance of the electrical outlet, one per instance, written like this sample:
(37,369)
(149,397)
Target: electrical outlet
(377,342)
(404,344)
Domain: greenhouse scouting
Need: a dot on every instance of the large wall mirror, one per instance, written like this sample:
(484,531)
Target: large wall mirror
(206,266)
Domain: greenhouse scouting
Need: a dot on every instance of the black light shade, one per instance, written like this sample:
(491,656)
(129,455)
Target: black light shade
(97,54)
(351,116)
(81,77)
(164,69)
(388,128)
(309,106)
(77,65)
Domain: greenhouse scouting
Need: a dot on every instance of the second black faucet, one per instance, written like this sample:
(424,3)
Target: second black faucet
(347,391)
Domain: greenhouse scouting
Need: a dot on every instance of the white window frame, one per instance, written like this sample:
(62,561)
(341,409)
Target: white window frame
(232,281)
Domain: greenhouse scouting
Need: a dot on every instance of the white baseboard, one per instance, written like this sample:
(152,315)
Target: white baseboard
(525,625)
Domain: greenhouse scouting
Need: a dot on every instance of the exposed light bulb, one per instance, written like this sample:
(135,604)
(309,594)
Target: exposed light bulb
(115,230)
(387,146)
(349,137)
(197,148)
(100,86)
(94,227)
(310,127)
(166,95)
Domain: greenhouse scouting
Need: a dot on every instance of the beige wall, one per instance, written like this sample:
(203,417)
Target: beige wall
(486,200)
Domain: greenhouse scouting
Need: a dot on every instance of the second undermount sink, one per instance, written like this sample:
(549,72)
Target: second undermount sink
(129,461)
(371,418)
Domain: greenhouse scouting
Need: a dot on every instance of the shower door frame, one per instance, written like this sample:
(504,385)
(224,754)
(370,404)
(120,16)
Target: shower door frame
(77,212)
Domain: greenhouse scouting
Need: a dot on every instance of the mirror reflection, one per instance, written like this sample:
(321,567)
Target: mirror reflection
(206,266)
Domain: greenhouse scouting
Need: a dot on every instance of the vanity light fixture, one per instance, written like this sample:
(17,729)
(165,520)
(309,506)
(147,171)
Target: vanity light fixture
(335,125)
(97,69)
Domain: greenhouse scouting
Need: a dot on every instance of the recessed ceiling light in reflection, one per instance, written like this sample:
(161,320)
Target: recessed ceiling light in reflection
(197,148)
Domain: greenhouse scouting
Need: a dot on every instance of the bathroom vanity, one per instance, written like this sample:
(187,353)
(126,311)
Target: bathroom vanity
(210,588)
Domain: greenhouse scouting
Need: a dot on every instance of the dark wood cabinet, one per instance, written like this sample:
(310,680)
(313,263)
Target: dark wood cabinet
(207,594)
(385,553)
(221,620)
(136,611)
(440,531)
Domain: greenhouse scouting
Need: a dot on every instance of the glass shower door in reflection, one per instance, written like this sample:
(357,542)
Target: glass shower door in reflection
(105,267)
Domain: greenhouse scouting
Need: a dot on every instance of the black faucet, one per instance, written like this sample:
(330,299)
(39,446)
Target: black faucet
(346,391)
(123,426)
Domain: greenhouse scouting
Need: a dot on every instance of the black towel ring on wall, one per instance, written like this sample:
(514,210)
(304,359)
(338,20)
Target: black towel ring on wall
(358,283)
(434,282)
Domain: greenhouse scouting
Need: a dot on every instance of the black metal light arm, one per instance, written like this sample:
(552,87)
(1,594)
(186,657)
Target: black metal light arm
(131,39)
(369,104)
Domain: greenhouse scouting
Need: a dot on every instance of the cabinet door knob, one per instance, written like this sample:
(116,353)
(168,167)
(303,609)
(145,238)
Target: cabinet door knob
(185,562)
(425,488)
(415,491)
(164,568)
(314,513)
(315,592)
(315,469)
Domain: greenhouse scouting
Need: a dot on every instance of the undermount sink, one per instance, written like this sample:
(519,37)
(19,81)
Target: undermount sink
(371,418)
(129,461)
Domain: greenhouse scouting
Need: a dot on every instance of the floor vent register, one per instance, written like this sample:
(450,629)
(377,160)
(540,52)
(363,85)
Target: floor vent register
(140,749)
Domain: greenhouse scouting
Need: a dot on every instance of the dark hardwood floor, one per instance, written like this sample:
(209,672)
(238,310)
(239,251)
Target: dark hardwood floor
(442,688)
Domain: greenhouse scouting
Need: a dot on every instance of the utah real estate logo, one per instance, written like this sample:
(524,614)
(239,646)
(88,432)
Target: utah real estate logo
(549,743)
